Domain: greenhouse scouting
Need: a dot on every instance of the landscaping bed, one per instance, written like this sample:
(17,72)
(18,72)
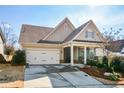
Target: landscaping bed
(11,76)
(98,73)
(94,71)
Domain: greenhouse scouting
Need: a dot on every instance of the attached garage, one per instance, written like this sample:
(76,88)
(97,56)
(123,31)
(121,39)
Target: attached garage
(43,56)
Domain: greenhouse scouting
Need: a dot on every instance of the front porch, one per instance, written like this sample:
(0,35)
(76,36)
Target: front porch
(79,53)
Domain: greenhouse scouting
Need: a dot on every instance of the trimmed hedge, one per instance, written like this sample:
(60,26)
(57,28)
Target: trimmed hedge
(19,58)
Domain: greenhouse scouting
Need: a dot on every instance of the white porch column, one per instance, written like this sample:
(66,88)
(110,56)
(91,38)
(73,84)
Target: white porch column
(71,54)
(77,54)
(85,55)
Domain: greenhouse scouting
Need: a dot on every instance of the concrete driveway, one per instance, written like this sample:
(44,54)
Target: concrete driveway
(58,76)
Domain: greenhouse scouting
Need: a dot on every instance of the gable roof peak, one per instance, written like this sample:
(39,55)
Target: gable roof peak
(76,31)
(90,20)
(79,29)
(65,20)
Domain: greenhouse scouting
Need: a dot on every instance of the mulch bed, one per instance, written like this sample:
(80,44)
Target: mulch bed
(99,75)
(94,72)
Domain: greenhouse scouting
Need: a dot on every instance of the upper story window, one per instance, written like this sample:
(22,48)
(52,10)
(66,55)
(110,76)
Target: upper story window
(89,34)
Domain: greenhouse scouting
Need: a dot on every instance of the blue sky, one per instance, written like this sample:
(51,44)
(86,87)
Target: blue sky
(103,16)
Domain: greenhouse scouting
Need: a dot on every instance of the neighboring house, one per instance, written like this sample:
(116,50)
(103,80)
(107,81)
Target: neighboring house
(2,40)
(116,47)
(61,44)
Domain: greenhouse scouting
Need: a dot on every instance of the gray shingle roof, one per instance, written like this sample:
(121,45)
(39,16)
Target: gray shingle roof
(36,34)
(116,46)
(89,41)
(50,42)
(32,34)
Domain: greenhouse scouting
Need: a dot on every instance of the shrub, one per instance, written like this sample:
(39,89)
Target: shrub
(2,59)
(100,65)
(113,77)
(92,62)
(115,63)
(103,63)
(109,69)
(19,58)
(122,66)
(105,60)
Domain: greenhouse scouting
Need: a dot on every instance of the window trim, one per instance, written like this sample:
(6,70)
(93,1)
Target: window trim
(89,34)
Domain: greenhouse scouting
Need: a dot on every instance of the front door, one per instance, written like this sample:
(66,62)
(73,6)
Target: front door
(67,55)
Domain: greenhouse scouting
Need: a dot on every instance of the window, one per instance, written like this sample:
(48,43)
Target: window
(89,34)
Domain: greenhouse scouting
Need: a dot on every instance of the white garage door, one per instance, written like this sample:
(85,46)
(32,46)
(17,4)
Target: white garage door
(42,56)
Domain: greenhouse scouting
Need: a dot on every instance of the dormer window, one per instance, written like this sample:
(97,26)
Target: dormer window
(89,34)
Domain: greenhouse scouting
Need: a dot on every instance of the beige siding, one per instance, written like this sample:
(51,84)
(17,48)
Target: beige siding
(99,52)
(75,53)
(1,46)
(60,33)
(61,54)
(90,28)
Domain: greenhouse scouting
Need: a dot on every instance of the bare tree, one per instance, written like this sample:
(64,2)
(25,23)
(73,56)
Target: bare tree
(113,37)
(10,38)
(112,34)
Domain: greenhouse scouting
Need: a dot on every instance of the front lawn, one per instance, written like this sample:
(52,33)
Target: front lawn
(11,76)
